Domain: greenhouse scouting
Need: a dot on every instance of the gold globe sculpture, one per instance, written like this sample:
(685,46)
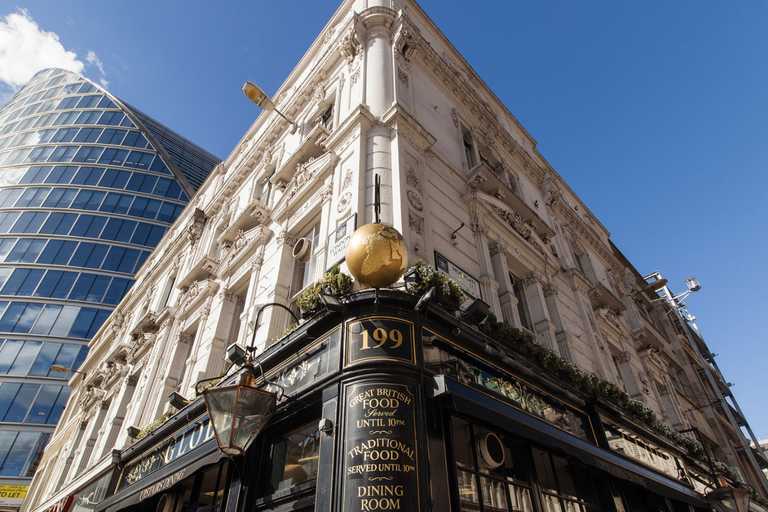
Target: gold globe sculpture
(376,255)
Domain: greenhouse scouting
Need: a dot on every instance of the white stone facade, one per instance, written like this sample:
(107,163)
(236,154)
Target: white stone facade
(381,91)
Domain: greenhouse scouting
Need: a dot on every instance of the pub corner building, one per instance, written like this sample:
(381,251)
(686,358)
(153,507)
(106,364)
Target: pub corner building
(522,364)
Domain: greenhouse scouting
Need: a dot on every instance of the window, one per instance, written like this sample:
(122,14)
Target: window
(292,458)
(114,179)
(29,222)
(88,176)
(23,281)
(60,198)
(326,118)
(56,284)
(89,255)
(26,250)
(88,154)
(19,317)
(113,156)
(59,223)
(61,174)
(120,259)
(32,197)
(565,486)
(90,287)
(304,267)
(88,200)
(89,226)
(20,452)
(493,470)
(469,147)
(32,403)
(57,252)
(522,304)
(117,289)
(118,229)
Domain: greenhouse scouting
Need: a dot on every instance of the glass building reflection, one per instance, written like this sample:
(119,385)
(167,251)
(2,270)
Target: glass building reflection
(88,186)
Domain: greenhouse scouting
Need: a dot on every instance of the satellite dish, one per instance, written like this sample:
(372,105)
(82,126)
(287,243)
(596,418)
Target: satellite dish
(301,249)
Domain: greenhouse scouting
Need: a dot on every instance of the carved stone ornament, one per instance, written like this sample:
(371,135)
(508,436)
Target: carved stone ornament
(350,43)
(515,221)
(414,198)
(344,202)
(622,357)
(412,179)
(195,228)
(406,42)
(416,222)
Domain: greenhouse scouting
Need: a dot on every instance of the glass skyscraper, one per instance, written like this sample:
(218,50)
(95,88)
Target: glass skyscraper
(88,186)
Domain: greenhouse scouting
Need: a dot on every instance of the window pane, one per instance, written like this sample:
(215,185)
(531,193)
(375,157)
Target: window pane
(57,252)
(8,392)
(46,320)
(45,358)
(21,403)
(64,322)
(16,462)
(25,358)
(44,403)
(294,457)
(8,354)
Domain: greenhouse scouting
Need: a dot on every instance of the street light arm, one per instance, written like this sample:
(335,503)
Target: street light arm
(251,347)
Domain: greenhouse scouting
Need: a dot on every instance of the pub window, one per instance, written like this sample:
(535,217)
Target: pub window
(492,469)
(522,304)
(565,487)
(469,147)
(290,458)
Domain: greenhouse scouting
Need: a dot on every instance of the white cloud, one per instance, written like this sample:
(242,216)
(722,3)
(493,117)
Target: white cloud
(94,60)
(25,49)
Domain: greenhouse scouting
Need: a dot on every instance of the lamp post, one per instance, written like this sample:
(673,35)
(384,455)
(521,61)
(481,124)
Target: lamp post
(240,411)
(257,95)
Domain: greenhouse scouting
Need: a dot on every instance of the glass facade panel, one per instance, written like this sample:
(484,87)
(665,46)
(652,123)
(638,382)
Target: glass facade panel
(75,166)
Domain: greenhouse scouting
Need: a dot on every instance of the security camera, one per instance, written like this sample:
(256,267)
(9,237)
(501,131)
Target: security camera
(236,354)
(693,284)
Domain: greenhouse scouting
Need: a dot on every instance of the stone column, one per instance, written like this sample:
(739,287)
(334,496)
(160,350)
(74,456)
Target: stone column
(561,336)
(488,285)
(506,295)
(214,336)
(537,307)
(92,431)
(114,434)
(378,97)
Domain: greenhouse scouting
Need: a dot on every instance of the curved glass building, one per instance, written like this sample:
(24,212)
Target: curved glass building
(88,186)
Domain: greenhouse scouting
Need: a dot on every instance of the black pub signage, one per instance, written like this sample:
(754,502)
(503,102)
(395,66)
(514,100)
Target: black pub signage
(380,453)
(380,338)
(184,442)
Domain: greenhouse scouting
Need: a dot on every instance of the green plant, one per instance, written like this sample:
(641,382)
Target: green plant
(154,425)
(422,277)
(334,282)
(589,384)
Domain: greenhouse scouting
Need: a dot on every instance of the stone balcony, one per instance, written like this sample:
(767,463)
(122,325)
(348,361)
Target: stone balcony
(522,217)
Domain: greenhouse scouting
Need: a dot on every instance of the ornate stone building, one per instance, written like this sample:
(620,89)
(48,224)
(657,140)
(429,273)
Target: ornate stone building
(382,92)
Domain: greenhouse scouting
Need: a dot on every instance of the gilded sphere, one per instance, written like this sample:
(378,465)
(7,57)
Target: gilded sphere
(376,255)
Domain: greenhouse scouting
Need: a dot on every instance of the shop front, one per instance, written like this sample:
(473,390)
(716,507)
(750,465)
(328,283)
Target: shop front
(386,408)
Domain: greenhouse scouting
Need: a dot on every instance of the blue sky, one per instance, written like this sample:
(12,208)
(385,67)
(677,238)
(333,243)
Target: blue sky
(654,112)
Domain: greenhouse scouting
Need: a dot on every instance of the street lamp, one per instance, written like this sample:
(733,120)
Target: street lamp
(240,411)
(257,95)
(64,369)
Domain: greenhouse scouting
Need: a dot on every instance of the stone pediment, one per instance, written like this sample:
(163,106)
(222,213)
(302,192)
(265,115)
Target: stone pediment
(516,214)
(307,179)
(243,246)
(194,294)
